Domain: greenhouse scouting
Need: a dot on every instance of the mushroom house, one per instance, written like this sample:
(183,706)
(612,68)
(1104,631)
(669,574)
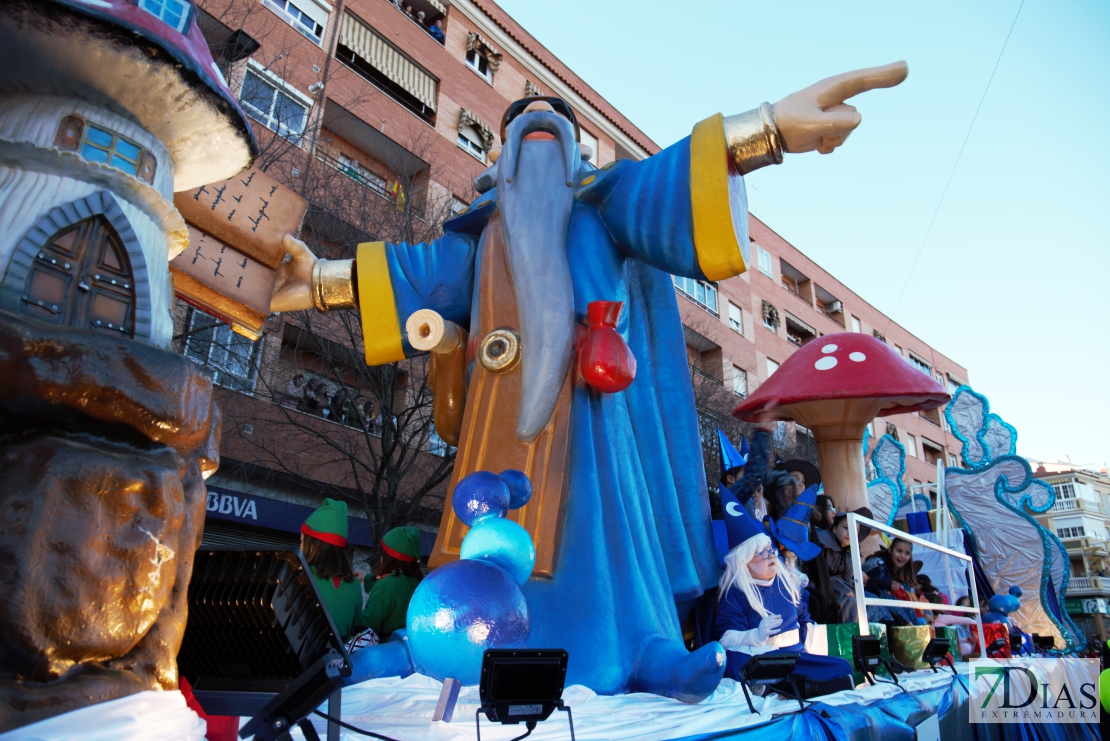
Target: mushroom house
(107,107)
(835,385)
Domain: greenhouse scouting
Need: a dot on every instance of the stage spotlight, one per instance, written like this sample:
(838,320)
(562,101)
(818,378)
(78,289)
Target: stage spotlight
(776,670)
(522,686)
(1017,645)
(867,655)
(260,643)
(995,646)
(1043,643)
(937,653)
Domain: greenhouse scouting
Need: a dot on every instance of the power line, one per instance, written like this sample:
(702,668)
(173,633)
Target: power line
(954,166)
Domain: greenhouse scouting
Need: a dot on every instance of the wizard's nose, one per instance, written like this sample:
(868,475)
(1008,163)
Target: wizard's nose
(539,105)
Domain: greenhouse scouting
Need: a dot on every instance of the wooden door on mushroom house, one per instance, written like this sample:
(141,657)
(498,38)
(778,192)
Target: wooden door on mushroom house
(82,277)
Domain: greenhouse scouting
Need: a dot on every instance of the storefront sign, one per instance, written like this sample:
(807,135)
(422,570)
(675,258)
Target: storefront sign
(1087,606)
(250,509)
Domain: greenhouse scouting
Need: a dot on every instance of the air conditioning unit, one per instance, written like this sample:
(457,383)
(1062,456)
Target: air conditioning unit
(834,307)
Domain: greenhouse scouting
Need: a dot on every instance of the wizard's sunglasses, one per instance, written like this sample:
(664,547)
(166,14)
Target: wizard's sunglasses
(559,105)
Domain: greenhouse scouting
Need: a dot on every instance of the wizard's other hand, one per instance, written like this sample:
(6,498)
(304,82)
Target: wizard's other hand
(293,287)
(818,118)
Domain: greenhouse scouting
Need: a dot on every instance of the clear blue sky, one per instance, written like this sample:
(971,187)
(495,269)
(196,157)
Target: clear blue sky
(1012,280)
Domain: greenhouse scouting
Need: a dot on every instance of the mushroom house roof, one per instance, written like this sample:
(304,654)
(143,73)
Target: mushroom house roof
(145,58)
(845,365)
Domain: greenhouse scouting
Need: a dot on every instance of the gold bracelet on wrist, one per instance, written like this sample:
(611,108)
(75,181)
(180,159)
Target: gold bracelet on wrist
(753,139)
(334,285)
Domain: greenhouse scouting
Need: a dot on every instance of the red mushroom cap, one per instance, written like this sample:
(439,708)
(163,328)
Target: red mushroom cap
(846,365)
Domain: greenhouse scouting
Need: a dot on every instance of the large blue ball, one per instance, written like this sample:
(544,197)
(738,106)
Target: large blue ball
(520,488)
(457,612)
(501,542)
(479,494)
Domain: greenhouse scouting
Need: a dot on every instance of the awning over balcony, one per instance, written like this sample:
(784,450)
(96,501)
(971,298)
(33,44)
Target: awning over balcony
(367,44)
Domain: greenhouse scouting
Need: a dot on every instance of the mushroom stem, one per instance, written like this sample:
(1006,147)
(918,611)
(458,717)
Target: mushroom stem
(838,426)
(842,468)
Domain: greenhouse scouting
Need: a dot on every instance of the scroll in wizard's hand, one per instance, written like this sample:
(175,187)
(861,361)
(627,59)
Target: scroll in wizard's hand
(619,513)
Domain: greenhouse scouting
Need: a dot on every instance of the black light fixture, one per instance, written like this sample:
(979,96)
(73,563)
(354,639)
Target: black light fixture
(996,646)
(1017,645)
(867,656)
(522,686)
(775,670)
(936,652)
(1043,644)
(259,642)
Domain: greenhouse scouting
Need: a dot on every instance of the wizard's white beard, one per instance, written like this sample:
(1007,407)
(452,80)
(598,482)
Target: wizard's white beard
(535,199)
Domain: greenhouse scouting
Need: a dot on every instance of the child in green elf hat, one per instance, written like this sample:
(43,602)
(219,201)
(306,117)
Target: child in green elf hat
(324,544)
(392,582)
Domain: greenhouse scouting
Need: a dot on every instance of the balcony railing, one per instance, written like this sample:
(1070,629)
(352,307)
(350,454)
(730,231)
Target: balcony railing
(1074,505)
(1088,584)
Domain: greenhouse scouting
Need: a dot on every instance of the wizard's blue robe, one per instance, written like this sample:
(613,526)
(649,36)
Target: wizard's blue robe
(636,538)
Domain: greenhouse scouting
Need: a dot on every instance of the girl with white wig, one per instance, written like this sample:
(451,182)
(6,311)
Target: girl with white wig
(762,607)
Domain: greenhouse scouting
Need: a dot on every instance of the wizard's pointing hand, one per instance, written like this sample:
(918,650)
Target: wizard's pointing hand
(293,287)
(818,118)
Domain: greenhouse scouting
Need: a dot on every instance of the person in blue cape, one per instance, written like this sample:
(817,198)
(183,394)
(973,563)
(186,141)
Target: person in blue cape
(620,494)
(747,487)
(762,609)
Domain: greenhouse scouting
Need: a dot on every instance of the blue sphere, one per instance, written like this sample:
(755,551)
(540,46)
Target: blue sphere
(520,488)
(481,493)
(457,612)
(503,543)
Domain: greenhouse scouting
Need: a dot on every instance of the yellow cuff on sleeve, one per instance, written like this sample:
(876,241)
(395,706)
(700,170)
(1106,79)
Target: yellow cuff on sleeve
(381,329)
(715,242)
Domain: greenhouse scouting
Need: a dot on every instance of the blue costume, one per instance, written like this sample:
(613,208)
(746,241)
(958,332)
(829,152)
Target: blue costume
(755,470)
(636,541)
(735,613)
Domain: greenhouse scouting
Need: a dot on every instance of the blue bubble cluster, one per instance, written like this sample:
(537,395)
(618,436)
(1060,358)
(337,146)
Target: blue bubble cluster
(480,494)
(520,488)
(458,611)
(502,543)
(463,608)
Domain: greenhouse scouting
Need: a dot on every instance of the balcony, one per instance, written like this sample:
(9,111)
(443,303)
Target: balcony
(1088,585)
(1075,505)
(1078,543)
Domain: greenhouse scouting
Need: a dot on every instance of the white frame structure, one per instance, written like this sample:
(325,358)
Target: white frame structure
(862,601)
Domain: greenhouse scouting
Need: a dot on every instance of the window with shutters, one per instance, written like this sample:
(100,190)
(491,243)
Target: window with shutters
(82,277)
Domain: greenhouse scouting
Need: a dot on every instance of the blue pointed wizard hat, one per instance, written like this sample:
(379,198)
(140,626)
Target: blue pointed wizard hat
(792,529)
(738,523)
(731,457)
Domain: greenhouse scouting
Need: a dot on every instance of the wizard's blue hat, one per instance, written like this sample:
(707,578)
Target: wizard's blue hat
(740,525)
(792,529)
(729,455)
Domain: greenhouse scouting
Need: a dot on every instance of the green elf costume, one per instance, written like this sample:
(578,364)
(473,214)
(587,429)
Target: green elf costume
(343,599)
(388,602)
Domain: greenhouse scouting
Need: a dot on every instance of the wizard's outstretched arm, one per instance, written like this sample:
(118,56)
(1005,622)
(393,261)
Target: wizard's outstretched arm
(684,210)
(386,283)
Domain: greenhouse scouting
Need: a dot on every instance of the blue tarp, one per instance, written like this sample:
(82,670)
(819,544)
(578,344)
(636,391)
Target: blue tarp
(896,719)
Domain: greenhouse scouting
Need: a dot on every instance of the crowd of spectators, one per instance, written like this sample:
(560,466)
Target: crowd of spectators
(319,398)
(766,490)
(433,28)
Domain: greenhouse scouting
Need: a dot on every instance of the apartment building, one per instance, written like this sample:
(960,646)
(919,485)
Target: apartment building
(1081,519)
(405,107)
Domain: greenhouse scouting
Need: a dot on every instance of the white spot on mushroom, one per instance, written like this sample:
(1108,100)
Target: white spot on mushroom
(826,362)
(828,349)
(857,357)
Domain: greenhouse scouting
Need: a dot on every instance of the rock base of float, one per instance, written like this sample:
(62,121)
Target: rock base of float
(104,443)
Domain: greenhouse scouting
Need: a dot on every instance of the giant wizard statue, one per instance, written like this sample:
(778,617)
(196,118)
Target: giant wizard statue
(619,512)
